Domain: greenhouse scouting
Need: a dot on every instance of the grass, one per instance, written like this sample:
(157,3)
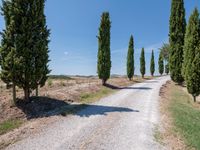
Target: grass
(49,82)
(9,125)
(158,135)
(62,83)
(63,77)
(186,117)
(92,97)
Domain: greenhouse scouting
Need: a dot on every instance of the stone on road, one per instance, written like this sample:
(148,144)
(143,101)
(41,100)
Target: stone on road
(125,120)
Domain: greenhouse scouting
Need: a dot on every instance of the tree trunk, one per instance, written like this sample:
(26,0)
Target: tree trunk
(36,91)
(103,82)
(130,79)
(14,93)
(26,94)
(142,76)
(194,98)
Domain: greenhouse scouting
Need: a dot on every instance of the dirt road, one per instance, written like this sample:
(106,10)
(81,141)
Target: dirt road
(123,121)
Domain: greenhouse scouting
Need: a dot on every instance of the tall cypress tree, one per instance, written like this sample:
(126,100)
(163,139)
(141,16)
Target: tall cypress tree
(152,65)
(191,63)
(130,59)
(30,44)
(142,63)
(161,64)
(8,48)
(41,46)
(177,33)
(104,58)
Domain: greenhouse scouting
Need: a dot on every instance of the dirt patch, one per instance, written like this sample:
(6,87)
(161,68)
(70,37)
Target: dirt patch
(169,137)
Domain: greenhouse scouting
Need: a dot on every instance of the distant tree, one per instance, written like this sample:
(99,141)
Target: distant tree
(142,63)
(165,51)
(167,68)
(26,44)
(8,49)
(152,65)
(104,58)
(130,59)
(161,64)
(176,38)
(191,65)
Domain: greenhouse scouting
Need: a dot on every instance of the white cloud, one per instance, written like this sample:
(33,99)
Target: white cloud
(66,53)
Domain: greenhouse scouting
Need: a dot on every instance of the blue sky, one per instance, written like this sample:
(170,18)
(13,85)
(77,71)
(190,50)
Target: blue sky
(74,27)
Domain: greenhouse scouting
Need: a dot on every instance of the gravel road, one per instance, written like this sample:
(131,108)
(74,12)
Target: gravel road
(125,120)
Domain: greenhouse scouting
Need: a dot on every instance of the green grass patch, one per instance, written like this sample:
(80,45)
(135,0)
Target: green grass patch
(9,125)
(92,97)
(186,117)
(63,77)
(158,135)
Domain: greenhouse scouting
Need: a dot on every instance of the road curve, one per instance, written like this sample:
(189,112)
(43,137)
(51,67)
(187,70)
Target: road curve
(125,120)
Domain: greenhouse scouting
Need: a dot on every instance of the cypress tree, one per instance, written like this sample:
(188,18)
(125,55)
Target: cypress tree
(142,63)
(161,64)
(152,65)
(191,63)
(41,47)
(104,58)
(8,49)
(177,33)
(167,68)
(130,59)
(29,45)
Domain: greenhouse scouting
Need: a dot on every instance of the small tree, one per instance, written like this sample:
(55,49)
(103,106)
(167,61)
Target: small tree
(130,59)
(104,58)
(161,64)
(191,63)
(176,38)
(142,63)
(152,66)
(167,68)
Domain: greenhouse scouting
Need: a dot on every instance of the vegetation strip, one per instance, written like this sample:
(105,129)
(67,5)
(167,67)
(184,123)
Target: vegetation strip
(9,125)
(186,117)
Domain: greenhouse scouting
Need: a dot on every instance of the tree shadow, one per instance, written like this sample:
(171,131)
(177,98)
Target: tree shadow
(128,88)
(41,107)
(151,81)
(102,110)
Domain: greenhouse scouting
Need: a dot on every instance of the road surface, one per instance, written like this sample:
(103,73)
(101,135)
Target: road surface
(125,120)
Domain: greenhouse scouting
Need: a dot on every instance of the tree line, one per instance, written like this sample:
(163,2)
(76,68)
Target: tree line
(104,54)
(24,52)
(184,54)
